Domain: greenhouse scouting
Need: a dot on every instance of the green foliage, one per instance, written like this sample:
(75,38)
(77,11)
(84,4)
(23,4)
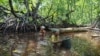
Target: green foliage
(84,10)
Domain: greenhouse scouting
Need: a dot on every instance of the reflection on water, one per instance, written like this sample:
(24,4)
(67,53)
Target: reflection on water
(16,43)
(25,44)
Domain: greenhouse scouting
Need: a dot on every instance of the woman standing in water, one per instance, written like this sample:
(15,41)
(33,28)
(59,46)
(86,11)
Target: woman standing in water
(59,44)
(55,40)
(42,32)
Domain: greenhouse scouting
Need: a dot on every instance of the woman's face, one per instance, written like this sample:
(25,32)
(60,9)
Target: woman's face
(57,33)
(42,28)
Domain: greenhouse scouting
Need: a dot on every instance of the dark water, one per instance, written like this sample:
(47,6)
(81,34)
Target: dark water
(17,44)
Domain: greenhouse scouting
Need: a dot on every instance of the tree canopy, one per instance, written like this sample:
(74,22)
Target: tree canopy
(50,12)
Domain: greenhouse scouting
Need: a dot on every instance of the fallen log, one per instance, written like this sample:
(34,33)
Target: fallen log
(96,29)
(62,30)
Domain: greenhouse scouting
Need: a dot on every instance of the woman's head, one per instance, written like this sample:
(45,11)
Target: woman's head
(42,27)
(56,32)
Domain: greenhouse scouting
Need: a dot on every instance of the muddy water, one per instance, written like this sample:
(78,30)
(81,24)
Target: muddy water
(25,44)
(91,36)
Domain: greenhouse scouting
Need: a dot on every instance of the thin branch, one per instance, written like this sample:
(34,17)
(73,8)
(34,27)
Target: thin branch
(12,9)
(36,8)
(50,9)
(3,8)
